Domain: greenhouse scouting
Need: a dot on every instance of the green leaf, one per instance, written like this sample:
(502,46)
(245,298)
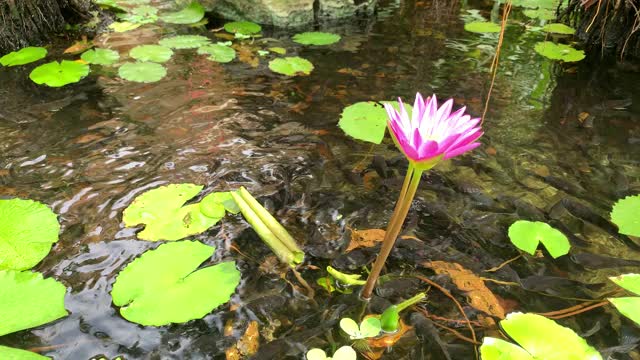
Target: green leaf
(8,353)
(630,282)
(123,26)
(482,27)
(559,29)
(223,198)
(56,74)
(526,235)
(27,231)
(367,120)
(23,56)
(345,353)
(390,318)
(145,11)
(27,300)
(243,27)
(278,50)
(496,349)
(164,215)
(316,38)
(628,306)
(316,354)
(144,72)
(185,41)
(165,286)
(545,339)
(100,56)
(370,327)
(218,53)
(625,215)
(562,52)
(189,15)
(291,66)
(349,326)
(152,53)
(542,14)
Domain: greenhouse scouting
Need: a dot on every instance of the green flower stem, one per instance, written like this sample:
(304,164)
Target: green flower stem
(411,301)
(274,226)
(393,229)
(282,252)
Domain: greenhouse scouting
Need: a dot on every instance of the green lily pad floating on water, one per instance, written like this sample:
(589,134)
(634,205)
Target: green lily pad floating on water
(482,27)
(543,338)
(23,56)
(628,306)
(165,217)
(542,14)
(144,72)
(165,286)
(185,41)
(100,56)
(243,27)
(555,51)
(27,300)
(18,354)
(28,229)
(625,214)
(366,120)
(343,353)
(316,38)
(222,198)
(291,66)
(152,53)
(57,74)
(630,282)
(497,349)
(189,15)
(559,29)
(369,327)
(123,26)
(526,235)
(218,53)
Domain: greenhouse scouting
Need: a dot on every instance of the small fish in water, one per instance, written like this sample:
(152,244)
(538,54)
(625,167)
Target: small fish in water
(594,261)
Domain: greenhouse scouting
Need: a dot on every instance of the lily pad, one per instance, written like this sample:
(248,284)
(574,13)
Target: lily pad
(526,235)
(123,26)
(57,74)
(243,27)
(291,66)
(23,56)
(630,282)
(162,212)
(165,286)
(100,56)
(223,198)
(482,27)
(218,53)
(369,327)
(543,338)
(189,15)
(153,53)
(144,72)
(628,306)
(625,215)
(17,354)
(559,29)
(343,353)
(278,50)
(366,120)
(185,41)
(497,349)
(316,38)
(27,231)
(27,300)
(555,51)
(542,14)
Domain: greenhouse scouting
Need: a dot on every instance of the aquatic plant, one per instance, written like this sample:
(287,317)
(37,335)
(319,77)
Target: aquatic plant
(539,338)
(369,327)
(57,74)
(367,120)
(152,53)
(242,27)
(346,279)
(343,353)
(166,285)
(628,306)
(390,318)
(193,13)
(291,66)
(562,52)
(23,56)
(100,56)
(185,41)
(218,52)
(526,235)
(482,27)
(625,215)
(428,136)
(18,354)
(316,38)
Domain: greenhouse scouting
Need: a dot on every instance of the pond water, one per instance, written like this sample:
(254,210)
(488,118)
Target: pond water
(561,146)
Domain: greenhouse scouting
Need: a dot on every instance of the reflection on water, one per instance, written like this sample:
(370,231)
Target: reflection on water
(561,154)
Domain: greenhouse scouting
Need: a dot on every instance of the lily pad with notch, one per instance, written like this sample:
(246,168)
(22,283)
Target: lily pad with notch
(369,327)
(343,353)
(625,215)
(23,56)
(185,41)
(366,120)
(152,53)
(193,13)
(218,53)
(57,74)
(143,72)
(100,56)
(291,66)
(316,38)
(555,51)
(526,235)
(242,27)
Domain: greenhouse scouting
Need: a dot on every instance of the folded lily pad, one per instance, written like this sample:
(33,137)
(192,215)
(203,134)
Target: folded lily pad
(625,215)
(218,53)
(57,74)
(28,229)
(17,354)
(23,56)
(316,38)
(100,56)
(144,72)
(189,15)
(152,53)
(291,66)
(243,27)
(27,300)
(185,41)
(526,235)
(165,286)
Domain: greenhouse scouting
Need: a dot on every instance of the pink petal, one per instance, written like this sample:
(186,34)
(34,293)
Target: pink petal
(445,144)
(418,110)
(428,149)
(445,110)
(467,138)
(461,150)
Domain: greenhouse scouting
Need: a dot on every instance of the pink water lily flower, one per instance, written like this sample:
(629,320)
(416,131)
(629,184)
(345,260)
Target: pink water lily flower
(432,133)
